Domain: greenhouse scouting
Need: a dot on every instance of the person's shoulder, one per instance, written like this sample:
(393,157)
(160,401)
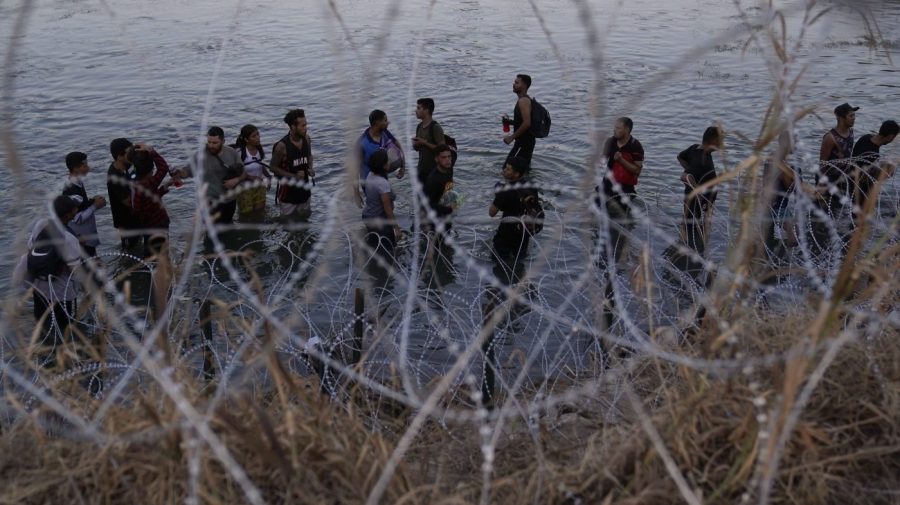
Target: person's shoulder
(72,249)
(36,230)
(636,144)
(689,150)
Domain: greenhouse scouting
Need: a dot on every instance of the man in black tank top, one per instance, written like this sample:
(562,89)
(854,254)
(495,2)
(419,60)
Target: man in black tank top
(521,138)
(292,160)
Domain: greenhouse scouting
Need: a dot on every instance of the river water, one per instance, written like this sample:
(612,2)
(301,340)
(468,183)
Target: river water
(87,72)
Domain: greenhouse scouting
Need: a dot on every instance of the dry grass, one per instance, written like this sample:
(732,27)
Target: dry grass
(299,447)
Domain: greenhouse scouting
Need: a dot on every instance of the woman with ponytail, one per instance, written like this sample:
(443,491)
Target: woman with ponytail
(252,154)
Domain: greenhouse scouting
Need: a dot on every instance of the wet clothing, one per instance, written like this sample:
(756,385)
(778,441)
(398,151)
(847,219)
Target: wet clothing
(84,224)
(511,238)
(216,170)
(296,161)
(866,152)
(523,147)
(700,165)
(867,156)
(436,186)
(254,198)
(632,151)
(836,168)
(433,134)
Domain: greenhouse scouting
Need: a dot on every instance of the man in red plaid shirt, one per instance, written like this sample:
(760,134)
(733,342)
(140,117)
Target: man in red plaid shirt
(146,196)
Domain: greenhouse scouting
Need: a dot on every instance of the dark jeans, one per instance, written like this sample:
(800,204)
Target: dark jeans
(54,325)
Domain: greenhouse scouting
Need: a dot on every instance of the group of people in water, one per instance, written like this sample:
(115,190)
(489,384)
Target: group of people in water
(236,179)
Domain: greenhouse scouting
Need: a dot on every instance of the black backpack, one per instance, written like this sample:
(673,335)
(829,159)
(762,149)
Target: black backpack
(44,259)
(532,211)
(540,120)
(451,143)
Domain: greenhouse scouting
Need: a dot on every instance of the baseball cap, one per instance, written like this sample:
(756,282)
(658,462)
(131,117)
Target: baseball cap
(844,109)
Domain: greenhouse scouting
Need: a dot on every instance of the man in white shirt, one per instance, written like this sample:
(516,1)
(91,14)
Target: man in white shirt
(84,225)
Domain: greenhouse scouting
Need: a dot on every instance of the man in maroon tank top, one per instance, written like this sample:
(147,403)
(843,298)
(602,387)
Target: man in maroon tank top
(837,147)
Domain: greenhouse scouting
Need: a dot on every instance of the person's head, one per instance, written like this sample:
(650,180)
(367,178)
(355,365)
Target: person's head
(514,168)
(249,136)
(424,108)
(215,139)
(888,131)
(622,128)
(378,120)
(120,149)
(444,157)
(143,165)
(378,162)
(77,164)
(522,83)
(296,121)
(712,138)
(65,208)
(845,114)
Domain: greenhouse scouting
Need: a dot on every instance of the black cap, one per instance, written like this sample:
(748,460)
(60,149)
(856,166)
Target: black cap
(844,109)
(62,205)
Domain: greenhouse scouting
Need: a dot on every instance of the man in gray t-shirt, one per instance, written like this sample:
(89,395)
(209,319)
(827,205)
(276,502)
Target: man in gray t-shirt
(223,170)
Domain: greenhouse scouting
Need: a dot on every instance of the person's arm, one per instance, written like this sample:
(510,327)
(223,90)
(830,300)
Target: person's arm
(278,154)
(525,110)
(494,208)
(311,172)
(388,205)
(234,181)
(98,203)
(438,139)
(187,171)
(787,174)
(632,166)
